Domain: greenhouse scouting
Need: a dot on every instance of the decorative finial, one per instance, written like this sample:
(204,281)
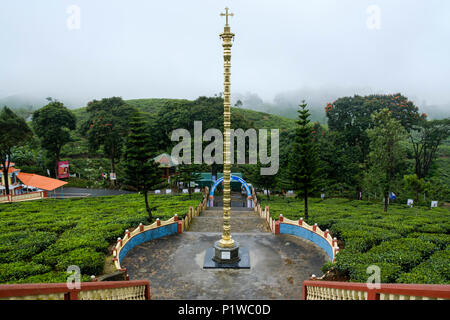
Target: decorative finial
(226,15)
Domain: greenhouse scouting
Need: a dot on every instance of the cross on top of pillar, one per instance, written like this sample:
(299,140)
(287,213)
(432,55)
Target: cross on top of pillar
(226,15)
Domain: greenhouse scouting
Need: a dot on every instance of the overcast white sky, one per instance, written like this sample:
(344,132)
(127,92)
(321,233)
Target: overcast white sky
(171,48)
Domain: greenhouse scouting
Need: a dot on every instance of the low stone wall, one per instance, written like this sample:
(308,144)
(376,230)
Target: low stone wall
(312,233)
(300,229)
(265,214)
(186,222)
(156,230)
(143,234)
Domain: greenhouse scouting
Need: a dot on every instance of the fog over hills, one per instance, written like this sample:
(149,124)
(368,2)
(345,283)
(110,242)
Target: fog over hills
(283,104)
(286,103)
(283,53)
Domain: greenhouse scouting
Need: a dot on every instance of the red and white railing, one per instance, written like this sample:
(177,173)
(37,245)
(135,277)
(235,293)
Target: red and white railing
(334,290)
(108,290)
(23,196)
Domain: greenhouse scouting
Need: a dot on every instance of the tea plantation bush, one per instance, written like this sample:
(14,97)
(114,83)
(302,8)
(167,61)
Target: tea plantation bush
(40,239)
(434,270)
(410,245)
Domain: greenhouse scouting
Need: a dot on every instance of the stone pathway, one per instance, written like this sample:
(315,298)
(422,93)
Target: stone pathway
(174,264)
(242,220)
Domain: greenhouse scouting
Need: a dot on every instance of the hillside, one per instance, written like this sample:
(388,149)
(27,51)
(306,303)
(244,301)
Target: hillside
(77,150)
(153,106)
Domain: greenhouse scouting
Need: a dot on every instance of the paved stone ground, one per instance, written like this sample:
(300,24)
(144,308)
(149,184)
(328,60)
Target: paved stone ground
(174,264)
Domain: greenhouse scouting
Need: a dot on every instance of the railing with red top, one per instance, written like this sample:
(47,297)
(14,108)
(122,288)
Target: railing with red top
(335,290)
(23,196)
(109,290)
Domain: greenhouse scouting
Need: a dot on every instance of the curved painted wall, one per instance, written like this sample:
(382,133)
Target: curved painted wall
(308,235)
(147,236)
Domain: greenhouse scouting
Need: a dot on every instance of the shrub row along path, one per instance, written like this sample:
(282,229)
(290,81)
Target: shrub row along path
(174,264)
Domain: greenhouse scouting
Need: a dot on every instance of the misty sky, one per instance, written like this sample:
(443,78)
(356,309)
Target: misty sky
(172,49)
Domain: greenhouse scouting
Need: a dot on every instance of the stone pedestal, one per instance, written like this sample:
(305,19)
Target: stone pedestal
(226,258)
(226,255)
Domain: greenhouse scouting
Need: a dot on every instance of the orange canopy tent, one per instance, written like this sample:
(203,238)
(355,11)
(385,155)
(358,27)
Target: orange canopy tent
(40,182)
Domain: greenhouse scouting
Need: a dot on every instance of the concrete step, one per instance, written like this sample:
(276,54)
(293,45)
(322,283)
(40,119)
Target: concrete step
(238,224)
(233,213)
(232,208)
(242,220)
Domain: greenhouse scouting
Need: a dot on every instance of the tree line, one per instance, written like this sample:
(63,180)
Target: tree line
(371,145)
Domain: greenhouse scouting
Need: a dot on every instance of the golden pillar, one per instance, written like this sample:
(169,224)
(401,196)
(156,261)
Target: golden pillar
(227,37)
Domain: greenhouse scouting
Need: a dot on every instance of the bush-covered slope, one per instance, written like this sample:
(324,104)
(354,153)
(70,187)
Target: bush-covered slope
(40,239)
(408,244)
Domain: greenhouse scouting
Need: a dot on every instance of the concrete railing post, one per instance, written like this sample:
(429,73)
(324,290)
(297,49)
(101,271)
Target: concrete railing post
(277,227)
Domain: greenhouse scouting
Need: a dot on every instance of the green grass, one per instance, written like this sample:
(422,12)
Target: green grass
(410,245)
(40,239)
(262,120)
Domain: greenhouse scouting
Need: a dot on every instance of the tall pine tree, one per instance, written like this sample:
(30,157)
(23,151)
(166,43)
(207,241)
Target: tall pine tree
(140,169)
(303,160)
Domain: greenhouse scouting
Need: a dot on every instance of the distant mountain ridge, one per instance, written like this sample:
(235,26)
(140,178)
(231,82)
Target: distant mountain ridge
(284,106)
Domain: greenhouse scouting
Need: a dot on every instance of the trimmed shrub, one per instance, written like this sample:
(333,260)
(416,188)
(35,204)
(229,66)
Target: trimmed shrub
(407,252)
(19,270)
(79,238)
(346,260)
(360,238)
(432,228)
(434,270)
(439,239)
(51,277)
(372,236)
(47,257)
(327,266)
(48,232)
(88,260)
(20,245)
(388,272)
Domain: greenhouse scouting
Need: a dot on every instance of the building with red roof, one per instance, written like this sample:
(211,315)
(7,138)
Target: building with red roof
(26,186)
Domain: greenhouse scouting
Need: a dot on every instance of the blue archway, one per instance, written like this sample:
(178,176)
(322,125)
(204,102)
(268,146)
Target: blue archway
(236,179)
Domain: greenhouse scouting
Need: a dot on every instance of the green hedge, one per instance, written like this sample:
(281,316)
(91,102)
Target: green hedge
(398,241)
(388,272)
(22,245)
(11,272)
(407,252)
(50,277)
(440,240)
(50,235)
(434,270)
(87,259)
